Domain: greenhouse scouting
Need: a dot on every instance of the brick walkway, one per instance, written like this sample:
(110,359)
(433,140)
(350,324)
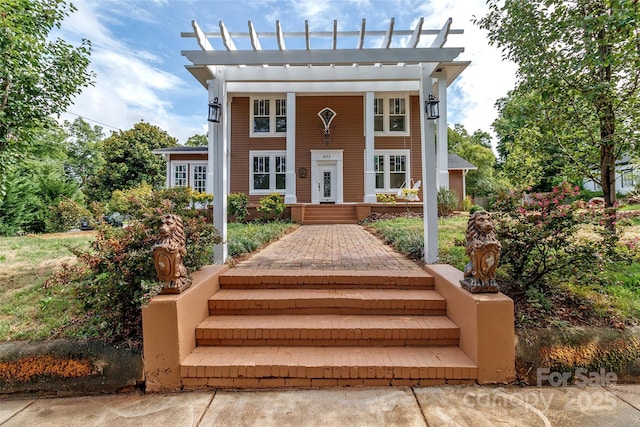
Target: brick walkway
(329,247)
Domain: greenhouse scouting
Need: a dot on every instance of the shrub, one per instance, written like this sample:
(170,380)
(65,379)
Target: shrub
(447,201)
(271,207)
(117,276)
(538,235)
(65,215)
(475,208)
(386,199)
(467,203)
(237,204)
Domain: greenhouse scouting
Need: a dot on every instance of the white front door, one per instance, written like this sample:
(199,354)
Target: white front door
(326,182)
(326,176)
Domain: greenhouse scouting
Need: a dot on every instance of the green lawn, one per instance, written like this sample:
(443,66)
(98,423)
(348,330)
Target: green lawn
(33,310)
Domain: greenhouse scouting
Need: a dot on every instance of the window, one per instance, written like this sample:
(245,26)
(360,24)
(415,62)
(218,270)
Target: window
(268,172)
(392,169)
(180,175)
(200,178)
(187,174)
(392,120)
(268,116)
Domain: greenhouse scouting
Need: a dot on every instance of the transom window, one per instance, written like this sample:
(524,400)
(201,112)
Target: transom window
(268,116)
(268,172)
(391,115)
(392,169)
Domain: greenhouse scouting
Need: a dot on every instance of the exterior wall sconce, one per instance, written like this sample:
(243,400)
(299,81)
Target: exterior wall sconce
(302,172)
(215,110)
(327,115)
(431,108)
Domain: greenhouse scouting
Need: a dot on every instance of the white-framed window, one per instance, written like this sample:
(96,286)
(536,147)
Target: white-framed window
(392,169)
(391,114)
(190,174)
(267,172)
(199,178)
(268,116)
(180,175)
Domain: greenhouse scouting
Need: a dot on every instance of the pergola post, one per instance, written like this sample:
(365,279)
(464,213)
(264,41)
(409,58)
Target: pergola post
(429,175)
(369,137)
(217,167)
(290,196)
(443,149)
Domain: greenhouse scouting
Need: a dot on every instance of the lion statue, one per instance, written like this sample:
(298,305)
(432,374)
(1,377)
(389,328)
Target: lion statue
(168,253)
(483,250)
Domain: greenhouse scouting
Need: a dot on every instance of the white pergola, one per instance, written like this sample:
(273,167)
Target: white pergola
(417,66)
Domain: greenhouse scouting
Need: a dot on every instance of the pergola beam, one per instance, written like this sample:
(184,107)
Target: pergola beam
(362,34)
(255,41)
(323,56)
(281,44)
(389,34)
(415,37)
(226,37)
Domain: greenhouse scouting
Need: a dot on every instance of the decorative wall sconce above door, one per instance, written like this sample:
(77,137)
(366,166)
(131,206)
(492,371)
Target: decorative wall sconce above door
(327,115)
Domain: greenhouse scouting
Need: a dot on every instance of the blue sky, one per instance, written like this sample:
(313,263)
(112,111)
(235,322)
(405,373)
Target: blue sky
(140,73)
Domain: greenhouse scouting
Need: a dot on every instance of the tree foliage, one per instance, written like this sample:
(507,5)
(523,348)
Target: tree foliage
(197,141)
(38,76)
(84,156)
(129,161)
(581,61)
(476,149)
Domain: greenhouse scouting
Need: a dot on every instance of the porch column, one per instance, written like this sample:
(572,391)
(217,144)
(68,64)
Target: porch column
(217,166)
(369,143)
(290,195)
(429,175)
(443,144)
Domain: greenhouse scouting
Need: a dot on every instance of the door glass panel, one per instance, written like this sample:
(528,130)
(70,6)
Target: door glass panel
(327,184)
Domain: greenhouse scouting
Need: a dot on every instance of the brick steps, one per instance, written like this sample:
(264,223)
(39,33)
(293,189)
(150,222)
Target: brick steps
(327,330)
(321,328)
(330,214)
(239,278)
(274,366)
(327,301)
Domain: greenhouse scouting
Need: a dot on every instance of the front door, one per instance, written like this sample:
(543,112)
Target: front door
(326,183)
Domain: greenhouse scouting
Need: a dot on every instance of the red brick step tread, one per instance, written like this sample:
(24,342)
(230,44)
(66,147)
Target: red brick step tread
(327,329)
(326,301)
(429,363)
(309,279)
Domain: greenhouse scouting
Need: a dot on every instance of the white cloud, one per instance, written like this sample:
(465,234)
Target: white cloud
(130,85)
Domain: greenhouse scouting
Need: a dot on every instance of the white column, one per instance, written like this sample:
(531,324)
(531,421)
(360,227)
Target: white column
(443,143)
(429,185)
(167,182)
(217,166)
(290,195)
(369,143)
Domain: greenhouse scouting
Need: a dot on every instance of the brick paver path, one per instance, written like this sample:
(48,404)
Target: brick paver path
(329,247)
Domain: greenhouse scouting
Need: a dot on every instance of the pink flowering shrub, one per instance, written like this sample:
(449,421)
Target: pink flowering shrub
(117,276)
(538,232)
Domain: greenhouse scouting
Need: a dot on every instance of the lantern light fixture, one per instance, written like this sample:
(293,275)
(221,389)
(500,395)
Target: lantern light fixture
(431,108)
(215,110)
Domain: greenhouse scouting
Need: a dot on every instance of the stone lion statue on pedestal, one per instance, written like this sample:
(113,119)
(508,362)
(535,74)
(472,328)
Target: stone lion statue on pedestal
(168,253)
(483,249)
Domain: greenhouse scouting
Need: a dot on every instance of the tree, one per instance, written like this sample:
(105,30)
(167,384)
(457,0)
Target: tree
(476,149)
(529,156)
(129,161)
(582,59)
(197,141)
(84,155)
(38,76)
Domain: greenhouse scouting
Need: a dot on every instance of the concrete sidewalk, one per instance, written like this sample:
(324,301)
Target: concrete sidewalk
(617,405)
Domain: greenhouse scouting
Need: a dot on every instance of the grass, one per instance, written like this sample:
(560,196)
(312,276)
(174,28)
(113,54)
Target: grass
(31,310)
(617,294)
(247,238)
(406,235)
